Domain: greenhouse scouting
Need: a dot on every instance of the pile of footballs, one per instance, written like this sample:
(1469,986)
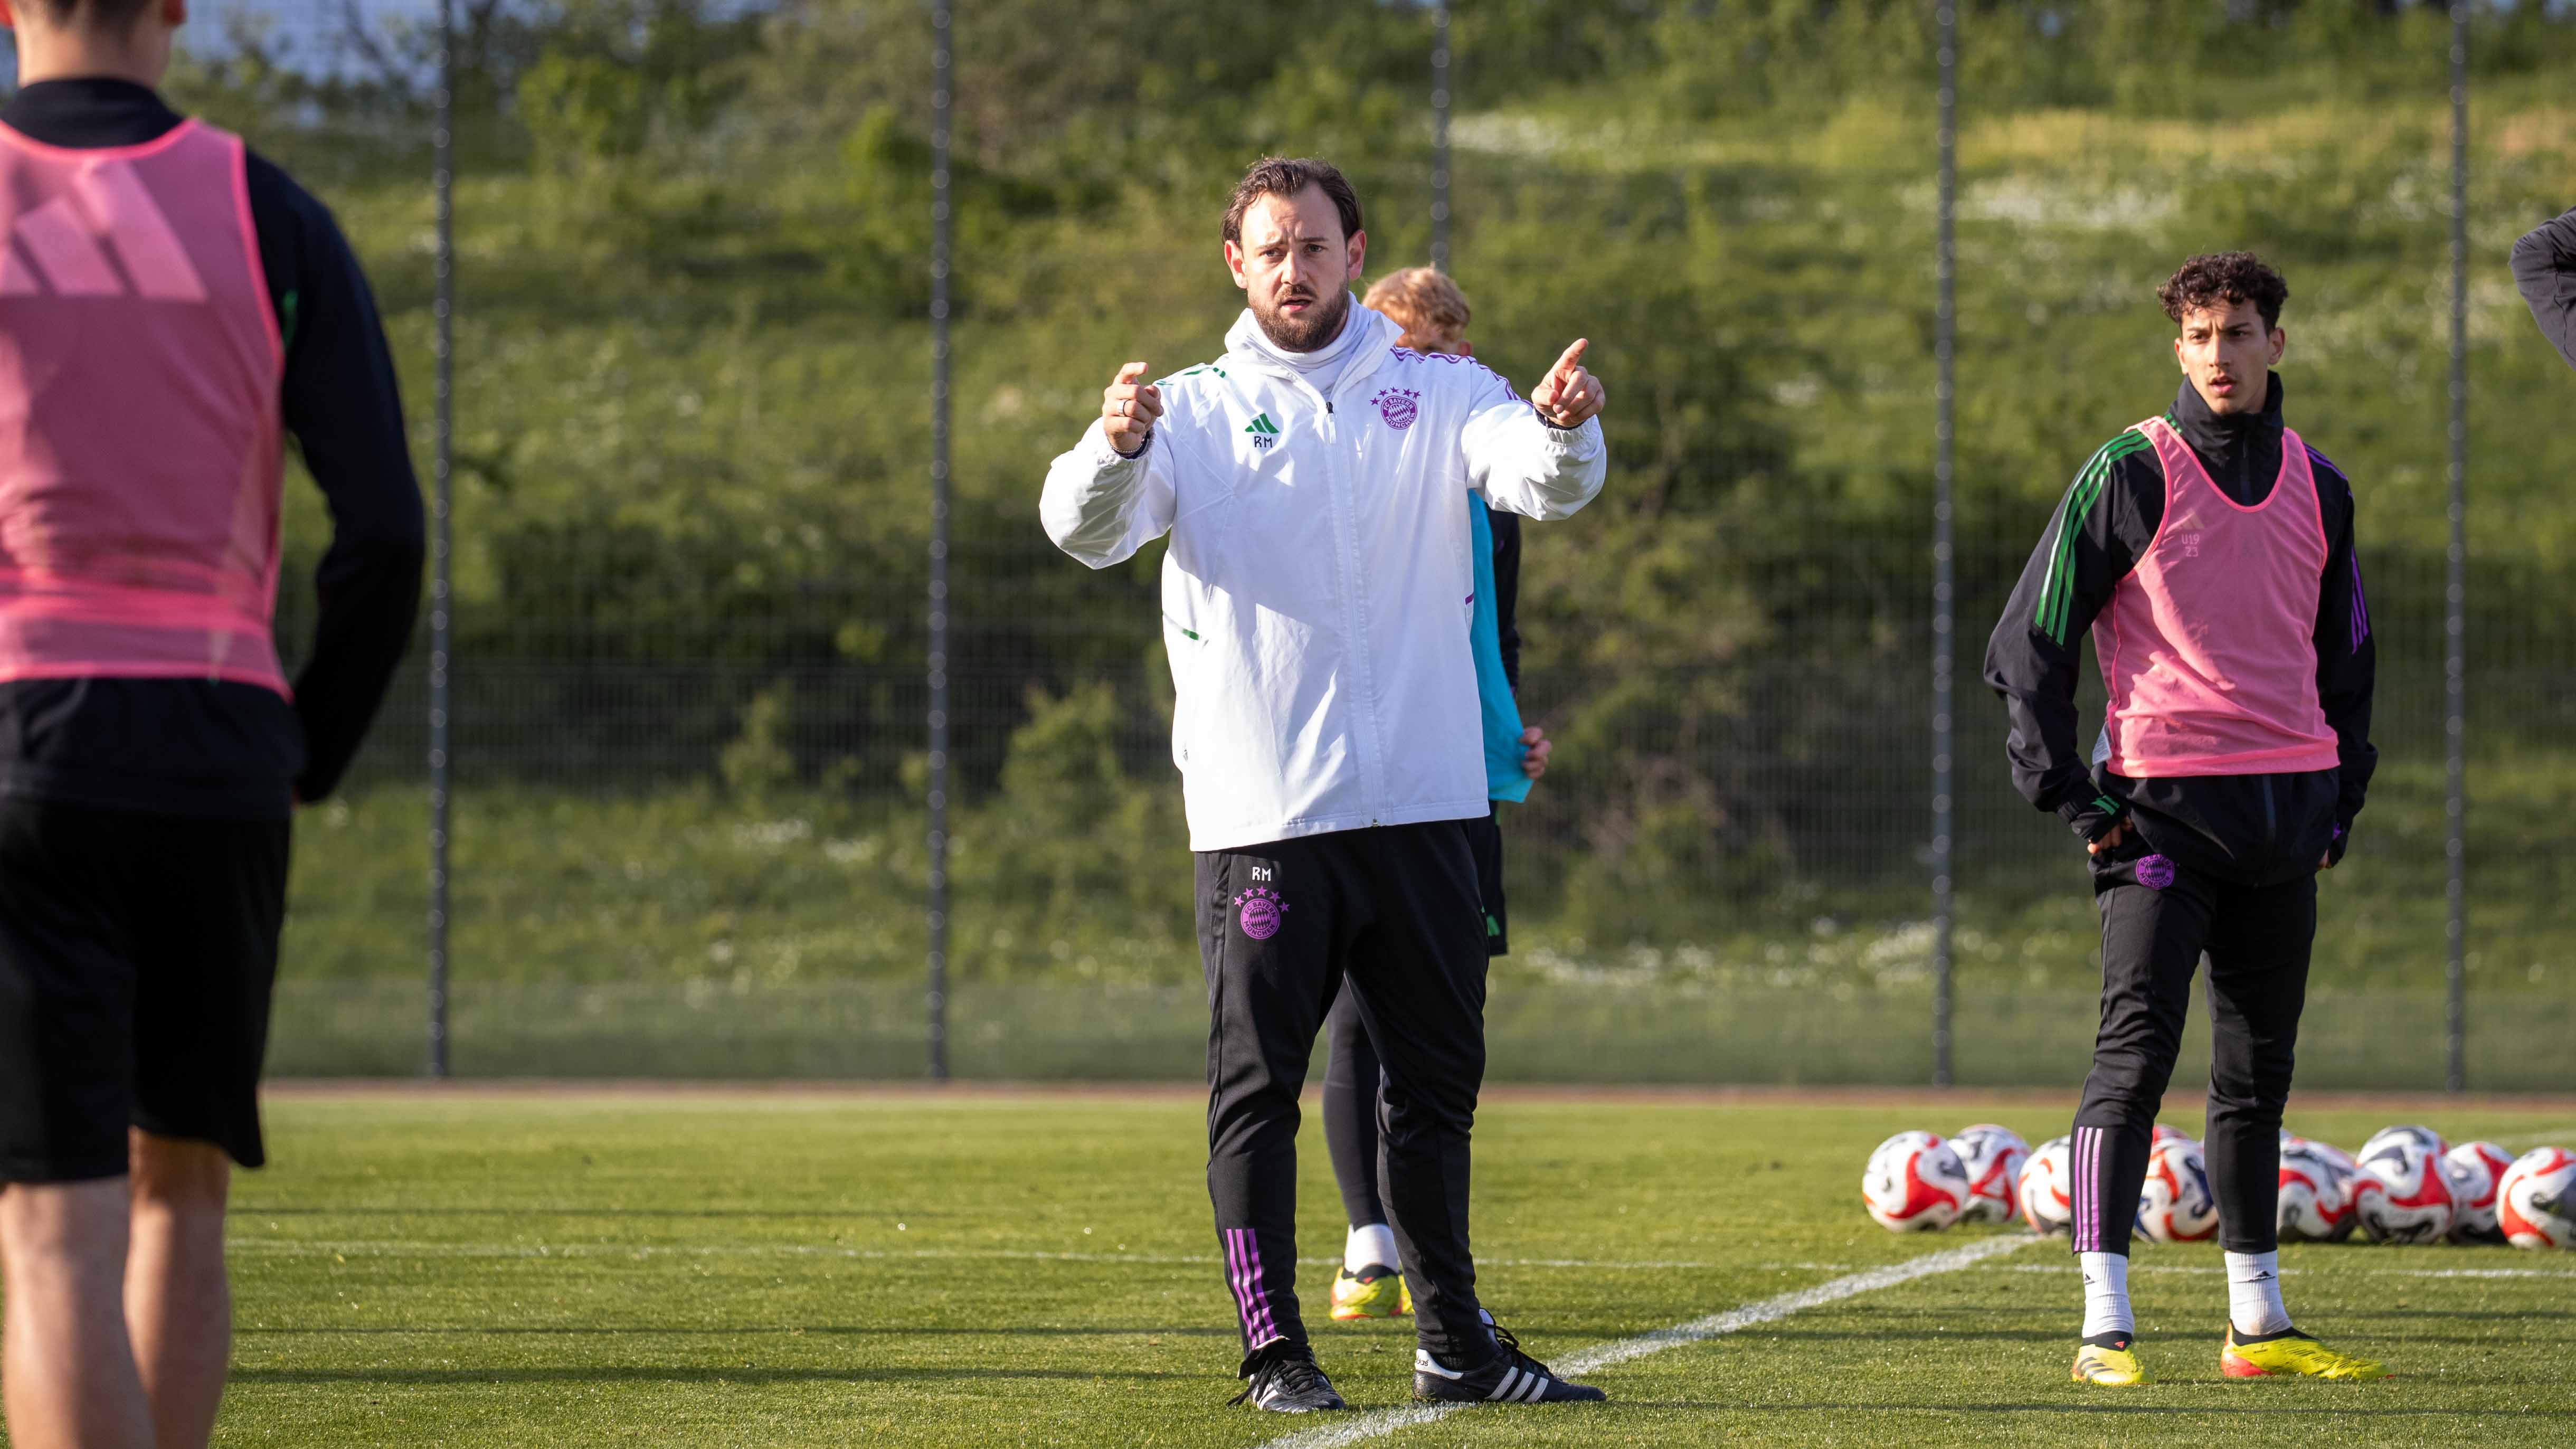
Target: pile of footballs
(2406,1185)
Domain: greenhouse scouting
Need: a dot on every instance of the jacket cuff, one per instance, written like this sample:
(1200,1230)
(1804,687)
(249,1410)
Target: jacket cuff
(1109,456)
(2342,841)
(2092,814)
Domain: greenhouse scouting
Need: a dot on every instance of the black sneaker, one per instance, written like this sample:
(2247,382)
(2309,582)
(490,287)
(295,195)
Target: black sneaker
(1286,1381)
(1512,1378)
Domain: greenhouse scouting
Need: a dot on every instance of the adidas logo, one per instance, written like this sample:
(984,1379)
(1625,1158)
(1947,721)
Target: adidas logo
(1265,433)
(69,240)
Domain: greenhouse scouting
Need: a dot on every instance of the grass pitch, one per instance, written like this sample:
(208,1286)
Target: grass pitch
(907,1268)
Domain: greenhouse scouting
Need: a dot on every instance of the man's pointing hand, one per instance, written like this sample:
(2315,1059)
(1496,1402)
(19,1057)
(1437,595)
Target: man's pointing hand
(1569,396)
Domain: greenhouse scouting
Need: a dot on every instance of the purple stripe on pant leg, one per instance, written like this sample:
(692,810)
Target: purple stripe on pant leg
(2088,1204)
(1237,1283)
(1260,1289)
(2075,1188)
(2083,1199)
(1243,1275)
(2093,1190)
(1234,1280)
(2093,1178)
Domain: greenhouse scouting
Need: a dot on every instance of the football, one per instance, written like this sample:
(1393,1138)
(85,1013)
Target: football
(2431,1141)
(2536,1205)
(1992,1157)
(2476,1170)
(1914,1184)
(2163,1134)
(2047,1187)
(2175,1204)
(2413,1203)
(2342,1160)
(2316,1196)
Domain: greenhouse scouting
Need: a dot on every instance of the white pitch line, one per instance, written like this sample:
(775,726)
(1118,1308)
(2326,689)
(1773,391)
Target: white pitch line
(307,1247)
(2350,1272)
(1381,1422)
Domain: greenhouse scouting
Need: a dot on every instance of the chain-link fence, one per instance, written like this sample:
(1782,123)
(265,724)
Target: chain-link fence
(692,478)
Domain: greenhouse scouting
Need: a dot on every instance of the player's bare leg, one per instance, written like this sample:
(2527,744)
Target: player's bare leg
(178,1304)
(71,1381)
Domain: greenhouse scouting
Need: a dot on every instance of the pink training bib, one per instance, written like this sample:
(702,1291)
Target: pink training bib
(139,430)
(2209,645)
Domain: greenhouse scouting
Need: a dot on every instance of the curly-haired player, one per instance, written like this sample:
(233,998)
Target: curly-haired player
(2209,552)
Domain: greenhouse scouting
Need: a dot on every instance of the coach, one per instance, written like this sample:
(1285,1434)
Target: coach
(1316,601)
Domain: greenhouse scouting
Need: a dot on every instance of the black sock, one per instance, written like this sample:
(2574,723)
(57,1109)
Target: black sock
(2118,1339)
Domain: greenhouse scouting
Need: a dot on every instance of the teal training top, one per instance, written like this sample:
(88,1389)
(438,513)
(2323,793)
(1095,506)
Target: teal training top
(1501,713)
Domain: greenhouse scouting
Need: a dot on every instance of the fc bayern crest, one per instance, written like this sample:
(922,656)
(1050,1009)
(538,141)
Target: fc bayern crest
(1262,913)
(1398,407)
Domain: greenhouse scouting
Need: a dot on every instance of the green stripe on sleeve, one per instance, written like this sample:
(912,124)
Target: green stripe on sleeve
(2057,592)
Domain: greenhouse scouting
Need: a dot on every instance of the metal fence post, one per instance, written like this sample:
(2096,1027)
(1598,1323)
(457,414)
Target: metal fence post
(940,111)
(441,596)
(2455,626)
(1945,603)
(1440,138)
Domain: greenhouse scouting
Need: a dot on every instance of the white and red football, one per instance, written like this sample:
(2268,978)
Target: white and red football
(2175,1204)
(2413,1204)
(1993,1157)
(1914,1184)
(2316,1196)
(2047,1187)
(2430,1140)
(2536,1206)
(2476,1171)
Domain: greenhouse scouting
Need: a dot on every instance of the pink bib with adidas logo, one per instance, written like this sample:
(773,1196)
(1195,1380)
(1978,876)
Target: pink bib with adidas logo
(139,430)
(2209,646)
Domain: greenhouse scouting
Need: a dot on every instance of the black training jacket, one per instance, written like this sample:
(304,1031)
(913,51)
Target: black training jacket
(216,748)
(2544,267)
(2256,829)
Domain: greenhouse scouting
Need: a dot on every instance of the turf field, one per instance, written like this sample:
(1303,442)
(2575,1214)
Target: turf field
(748,1268)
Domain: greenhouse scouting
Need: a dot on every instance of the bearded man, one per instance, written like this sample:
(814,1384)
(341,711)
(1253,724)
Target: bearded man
(1317,597)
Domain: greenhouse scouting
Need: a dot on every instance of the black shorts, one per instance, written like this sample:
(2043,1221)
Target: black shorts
(137,954)
(1485,841)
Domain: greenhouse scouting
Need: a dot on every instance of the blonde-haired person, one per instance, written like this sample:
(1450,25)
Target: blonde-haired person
(1427,304)
(1434,314)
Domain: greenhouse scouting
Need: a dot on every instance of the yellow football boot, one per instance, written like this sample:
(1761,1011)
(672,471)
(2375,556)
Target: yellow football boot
(2112,1365)
(1373,1292)
(2292,1353)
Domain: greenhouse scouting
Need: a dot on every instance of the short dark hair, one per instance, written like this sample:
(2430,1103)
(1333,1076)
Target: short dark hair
(1282,176)
(103,17)
(2225,278)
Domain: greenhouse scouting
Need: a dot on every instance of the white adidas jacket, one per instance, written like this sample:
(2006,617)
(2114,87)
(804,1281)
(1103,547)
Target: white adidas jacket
(1317,593)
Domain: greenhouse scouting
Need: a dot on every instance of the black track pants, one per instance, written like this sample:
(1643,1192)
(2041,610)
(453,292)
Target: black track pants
(1350,1111)
(2158,918)
(1351,1066)
(1281,926)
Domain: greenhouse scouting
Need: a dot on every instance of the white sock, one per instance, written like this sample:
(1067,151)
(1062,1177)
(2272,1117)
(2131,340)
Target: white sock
(2106,1294)
(2254,1294)
(1370,1245)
